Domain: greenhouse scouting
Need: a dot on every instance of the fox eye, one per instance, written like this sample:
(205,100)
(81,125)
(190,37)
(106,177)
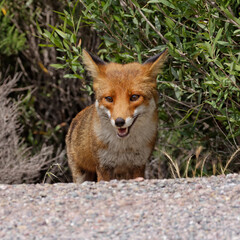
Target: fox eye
(109,99)
(134,97)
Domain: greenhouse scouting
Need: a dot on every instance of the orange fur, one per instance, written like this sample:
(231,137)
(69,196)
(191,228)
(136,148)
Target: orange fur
(114,137)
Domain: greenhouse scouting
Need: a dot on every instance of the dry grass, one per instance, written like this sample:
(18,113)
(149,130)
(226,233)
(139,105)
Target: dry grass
(198,169)
(234,155)
(16,163)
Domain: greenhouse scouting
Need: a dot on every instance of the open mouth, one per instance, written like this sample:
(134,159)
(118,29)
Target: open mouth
(123,132)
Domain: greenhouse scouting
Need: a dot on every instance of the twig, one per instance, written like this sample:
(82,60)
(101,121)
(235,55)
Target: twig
(229,124)
(220,129)
(150,24)
(193,30)
(214,4)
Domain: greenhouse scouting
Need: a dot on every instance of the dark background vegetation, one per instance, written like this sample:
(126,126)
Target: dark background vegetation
(43,84)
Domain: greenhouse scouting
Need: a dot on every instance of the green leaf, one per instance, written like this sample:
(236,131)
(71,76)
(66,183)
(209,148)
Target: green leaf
(60,13)
(76,51)
(219,34)
(72,76)
(78,24)
(107,4)
(189,113)
(199,111)
(223,43)
(170,22)
(135,3)
(61,33)
(214,73)
(46,45)
(218,63)
(58,66)
(73,38)
(233,66)
(117,18)
(38,28)
(57,42)
(209,48)
(165,2)
(147,10)
(47,34)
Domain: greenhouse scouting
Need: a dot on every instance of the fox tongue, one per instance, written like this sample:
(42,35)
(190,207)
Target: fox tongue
(122,132)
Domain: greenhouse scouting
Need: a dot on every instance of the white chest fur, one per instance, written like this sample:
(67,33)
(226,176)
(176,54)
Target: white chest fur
(132,150)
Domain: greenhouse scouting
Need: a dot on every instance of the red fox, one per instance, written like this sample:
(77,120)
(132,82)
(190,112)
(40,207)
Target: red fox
(114,138)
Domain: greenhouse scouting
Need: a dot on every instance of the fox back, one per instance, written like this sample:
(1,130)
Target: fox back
(114,138)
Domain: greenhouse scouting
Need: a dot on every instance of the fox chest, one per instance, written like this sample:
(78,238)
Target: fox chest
(124,155)
(132,151)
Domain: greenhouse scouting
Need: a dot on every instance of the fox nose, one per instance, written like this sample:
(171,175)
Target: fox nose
(119,122)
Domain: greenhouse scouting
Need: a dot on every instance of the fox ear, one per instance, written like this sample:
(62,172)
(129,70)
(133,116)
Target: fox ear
(92,63)
(156,63)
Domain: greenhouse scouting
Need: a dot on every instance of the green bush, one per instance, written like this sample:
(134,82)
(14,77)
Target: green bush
(199,108)
(44,109)
(11,40)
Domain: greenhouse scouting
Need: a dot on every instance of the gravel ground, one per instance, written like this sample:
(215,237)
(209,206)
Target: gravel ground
(200,208)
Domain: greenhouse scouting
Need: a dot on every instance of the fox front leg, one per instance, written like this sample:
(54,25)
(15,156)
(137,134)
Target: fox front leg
(104,174)
(138,172)
(107,174)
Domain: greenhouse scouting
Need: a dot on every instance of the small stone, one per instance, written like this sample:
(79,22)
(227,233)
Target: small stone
(177,195)
(139,179)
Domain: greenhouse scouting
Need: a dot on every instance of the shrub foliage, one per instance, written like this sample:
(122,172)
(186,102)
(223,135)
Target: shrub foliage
(199,88)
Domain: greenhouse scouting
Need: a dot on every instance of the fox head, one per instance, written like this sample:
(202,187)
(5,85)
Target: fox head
(124,91)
